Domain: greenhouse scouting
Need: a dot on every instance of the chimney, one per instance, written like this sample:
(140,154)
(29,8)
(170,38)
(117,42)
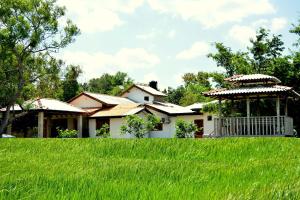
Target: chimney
(153,84)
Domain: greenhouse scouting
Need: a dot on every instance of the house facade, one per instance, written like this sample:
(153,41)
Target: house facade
(88,112)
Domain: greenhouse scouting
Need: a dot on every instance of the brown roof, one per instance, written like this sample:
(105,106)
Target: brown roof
(253,78)
(252,90)
(120,110)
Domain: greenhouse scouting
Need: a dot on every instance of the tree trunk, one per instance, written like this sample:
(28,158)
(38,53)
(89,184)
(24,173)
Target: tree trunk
(4,122)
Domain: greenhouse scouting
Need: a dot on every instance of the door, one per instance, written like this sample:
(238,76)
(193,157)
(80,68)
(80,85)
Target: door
(199,124)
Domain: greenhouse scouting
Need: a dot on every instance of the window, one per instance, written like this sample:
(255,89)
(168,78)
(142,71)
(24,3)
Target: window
(146,98)
(209,118)
(158,127)
(100,122)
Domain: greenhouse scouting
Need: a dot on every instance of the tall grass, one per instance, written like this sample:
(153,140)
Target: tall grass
(244,168)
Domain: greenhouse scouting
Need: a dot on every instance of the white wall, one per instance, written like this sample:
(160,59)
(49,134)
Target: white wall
(138,95)
(92,128)
(84,101)
(168,128)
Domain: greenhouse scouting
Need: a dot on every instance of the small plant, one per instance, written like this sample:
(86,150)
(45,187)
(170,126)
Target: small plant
(67,133)
(185,129)
(103,131)
(138,126)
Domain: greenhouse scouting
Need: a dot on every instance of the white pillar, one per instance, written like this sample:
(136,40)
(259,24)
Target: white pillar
(286,107)
(92,128)
(41,124)
(220,118)
(278,114)
(79,126)
(248,115)
(49,125)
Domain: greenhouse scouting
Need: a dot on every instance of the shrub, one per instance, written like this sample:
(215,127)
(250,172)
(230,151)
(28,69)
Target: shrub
(103,131)
(67,133)
(185,129)
(138,126)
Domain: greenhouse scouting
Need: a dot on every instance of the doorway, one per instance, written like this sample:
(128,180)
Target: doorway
(199,124)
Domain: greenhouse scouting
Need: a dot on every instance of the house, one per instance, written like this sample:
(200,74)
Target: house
(88,112)
(252,89)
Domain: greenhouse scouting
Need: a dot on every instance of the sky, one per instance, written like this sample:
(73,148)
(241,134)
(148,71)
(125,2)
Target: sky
(163,39)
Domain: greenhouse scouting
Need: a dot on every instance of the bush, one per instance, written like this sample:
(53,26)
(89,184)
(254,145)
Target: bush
(185,129)
(103,131)
(138,126)
(67,133)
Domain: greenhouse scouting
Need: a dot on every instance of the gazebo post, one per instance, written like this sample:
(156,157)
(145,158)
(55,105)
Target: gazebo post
(286,107)
(220,115)
(248,115)
(41,124)
(278,114)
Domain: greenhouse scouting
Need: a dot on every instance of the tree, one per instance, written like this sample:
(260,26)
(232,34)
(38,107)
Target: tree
(139,126)
(70,84)
(30,32)
(185,129)
(110,84)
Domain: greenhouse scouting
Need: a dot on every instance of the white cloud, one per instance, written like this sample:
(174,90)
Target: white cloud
(242,34)
(196,50)
(93,16)
(95,64)
(171,34)
(278,24)
(145,36)
(213,13)
(150,77)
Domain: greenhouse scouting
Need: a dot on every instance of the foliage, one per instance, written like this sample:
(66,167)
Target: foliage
(70,84)
(67,133)
(138,126)
(232,168)
(110,84)
(185,129)
(103,131)
(30,31)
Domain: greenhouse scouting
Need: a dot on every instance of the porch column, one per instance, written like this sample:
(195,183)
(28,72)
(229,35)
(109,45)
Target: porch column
(79,126)
(70,123)
(220,116)
(278,114)
(49,125)
(248,115)
(286,107)
(41,124)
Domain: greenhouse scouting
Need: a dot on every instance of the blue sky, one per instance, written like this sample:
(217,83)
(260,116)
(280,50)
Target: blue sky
(163,39)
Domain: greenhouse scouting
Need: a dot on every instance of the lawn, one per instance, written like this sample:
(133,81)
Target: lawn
(236,168)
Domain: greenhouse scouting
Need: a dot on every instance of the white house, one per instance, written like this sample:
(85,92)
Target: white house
(88,112)
(138,99)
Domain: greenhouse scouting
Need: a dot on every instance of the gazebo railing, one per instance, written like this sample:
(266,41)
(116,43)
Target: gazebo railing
(253,126)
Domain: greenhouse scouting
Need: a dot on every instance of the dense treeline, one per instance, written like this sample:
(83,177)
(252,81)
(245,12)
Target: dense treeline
(32,31)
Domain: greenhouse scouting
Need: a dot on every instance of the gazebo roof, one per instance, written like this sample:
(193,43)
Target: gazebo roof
(253,78)
(276,89)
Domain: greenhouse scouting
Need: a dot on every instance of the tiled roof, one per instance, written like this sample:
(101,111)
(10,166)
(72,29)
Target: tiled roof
(150,90)
(119,110)
(112,100)
(251,90)
(48,104)
(253,78)
(170,108)
(198,106)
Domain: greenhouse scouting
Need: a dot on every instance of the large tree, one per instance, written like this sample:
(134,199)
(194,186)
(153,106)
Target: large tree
(112,84)
(70,84)
(30,32)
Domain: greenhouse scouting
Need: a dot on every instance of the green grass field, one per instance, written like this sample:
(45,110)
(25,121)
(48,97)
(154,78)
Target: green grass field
(245,168)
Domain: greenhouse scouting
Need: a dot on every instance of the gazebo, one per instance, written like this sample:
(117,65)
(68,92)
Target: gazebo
(249,88)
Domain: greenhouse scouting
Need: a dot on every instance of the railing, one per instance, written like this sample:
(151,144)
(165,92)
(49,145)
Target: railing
(253,126)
